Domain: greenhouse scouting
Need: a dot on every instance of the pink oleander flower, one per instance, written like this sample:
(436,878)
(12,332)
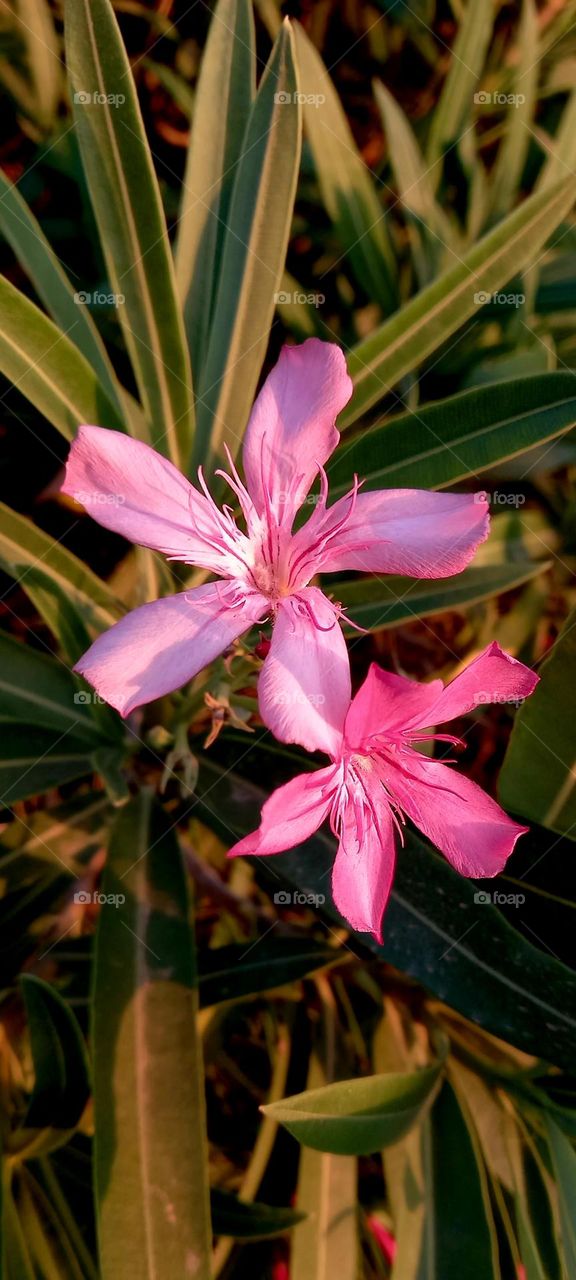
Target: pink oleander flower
(265,569)
(377,777)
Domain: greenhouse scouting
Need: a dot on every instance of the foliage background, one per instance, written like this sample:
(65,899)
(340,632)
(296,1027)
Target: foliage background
(408,198)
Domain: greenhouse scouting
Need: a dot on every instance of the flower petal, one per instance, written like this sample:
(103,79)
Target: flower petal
(160,646)
(494,676)
(129,488)
(291,814)
(470,829)
(385,703)
(409,531)
(304,685)
(291,432)
(364,867)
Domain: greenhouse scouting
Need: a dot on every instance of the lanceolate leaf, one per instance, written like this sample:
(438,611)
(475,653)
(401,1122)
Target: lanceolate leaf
(253,253)
(61,1084)
(254,1221)
(53,287)
(378,603)
(458,1217)
(538,778)
(513,149)
(39,690)
(224,96)
(452,440)
(564,1167)
(347,187)
(454,108)
(46,367)
(356,1117)
(432,234)
(404,342)
(33,760)
(151,1155)
(229,973)
(462,950)
(57,582)
(128,210)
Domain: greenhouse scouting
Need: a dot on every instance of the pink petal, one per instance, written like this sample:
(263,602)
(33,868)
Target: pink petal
(129,488)
(385,703)
(291,814)
(291,431)
(364,867)
(494,676)
(159,647)
(304,685)
(473,832)
(408,531)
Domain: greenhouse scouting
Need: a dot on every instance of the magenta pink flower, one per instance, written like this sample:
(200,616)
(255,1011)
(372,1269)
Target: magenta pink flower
(377,776)
(265,569)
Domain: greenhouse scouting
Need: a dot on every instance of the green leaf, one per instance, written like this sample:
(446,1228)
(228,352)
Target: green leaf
(432,232)
(253,253)
(61,1083)
(151,1154)
(230,973)
(458,1216)
(459,438)
(33,760)
(326,1242)
(403,343)
(46,367)
(347,188)
(35,688)
(463,951)
(538,777)
(561,150)
(68,596)
(356,1117)
(224,96)
(453,112)
(53,287)
(379,603)
(254,1221)
(564,1165)
(128,210)
(507,173)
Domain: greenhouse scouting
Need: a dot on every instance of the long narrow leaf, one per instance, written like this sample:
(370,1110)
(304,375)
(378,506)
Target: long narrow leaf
(38,260)
(253,254)
(403,343)
(151,1157)
(348,191)
(128,210)
(224,97)
(47,368)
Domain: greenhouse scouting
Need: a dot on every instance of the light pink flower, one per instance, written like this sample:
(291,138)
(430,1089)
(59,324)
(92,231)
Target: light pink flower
(266,568)
(377,776)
